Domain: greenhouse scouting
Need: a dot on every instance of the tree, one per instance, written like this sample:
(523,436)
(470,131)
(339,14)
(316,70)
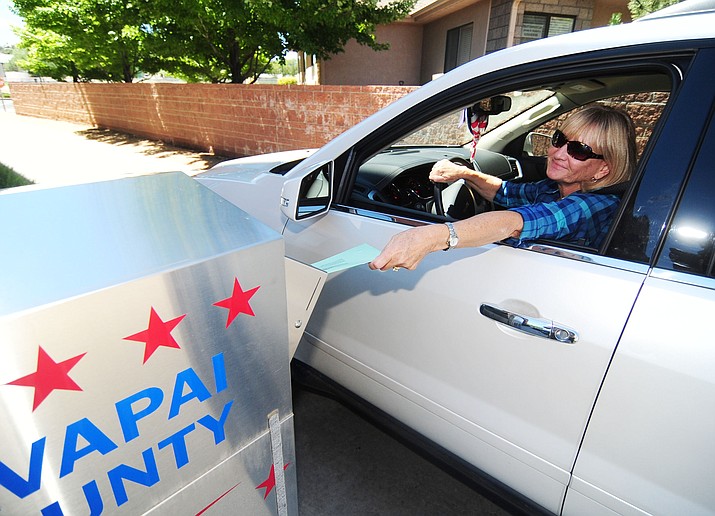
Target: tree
(200,40)
(235,41)
(86,39)
(639,8)
(45,55)
(212,40)
(287,67)
(323,27)
(18,54)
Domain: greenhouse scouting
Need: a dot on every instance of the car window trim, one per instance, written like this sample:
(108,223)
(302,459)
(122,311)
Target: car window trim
(542,248)
(698,166)
(684,278)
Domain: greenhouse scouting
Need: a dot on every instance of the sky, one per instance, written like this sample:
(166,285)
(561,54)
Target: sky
(7,19)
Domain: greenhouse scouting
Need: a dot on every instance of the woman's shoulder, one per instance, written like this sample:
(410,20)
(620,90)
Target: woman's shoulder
(593,201)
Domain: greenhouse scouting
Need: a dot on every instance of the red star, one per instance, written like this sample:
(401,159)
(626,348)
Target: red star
(49,376)
(269,483)
(157,334)
(216,501)
(238,302)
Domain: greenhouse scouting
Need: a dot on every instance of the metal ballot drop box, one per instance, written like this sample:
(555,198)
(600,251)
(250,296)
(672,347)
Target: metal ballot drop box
(145,362)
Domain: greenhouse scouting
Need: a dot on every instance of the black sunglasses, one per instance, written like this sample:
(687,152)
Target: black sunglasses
(575,149)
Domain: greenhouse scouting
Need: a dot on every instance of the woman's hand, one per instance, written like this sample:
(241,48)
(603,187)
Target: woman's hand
(446,171)
(408,248)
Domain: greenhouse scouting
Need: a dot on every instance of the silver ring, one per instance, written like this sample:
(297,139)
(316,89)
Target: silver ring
(395,269)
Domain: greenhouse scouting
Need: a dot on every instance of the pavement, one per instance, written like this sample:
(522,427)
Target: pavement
(55,153)
(346,466)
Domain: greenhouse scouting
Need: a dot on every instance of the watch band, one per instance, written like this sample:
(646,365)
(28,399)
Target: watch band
(453,239)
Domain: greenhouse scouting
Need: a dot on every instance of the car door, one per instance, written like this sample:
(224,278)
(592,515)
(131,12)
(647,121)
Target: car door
(417,345)
(660,389)
(414,344)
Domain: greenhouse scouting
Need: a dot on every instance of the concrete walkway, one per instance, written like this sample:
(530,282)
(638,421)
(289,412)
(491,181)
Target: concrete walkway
(53,153)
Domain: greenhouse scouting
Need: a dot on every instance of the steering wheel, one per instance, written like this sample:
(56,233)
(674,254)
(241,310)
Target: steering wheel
(456,200)
(438,202)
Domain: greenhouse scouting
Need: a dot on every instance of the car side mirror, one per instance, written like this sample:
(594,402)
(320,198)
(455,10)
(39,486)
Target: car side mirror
(309,195)
(537,144)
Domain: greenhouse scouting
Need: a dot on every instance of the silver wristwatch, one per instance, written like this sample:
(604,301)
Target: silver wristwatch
(453,238)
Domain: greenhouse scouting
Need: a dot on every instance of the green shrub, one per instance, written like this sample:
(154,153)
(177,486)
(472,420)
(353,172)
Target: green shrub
(10,178)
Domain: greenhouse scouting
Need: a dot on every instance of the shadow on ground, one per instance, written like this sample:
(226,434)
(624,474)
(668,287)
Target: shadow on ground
(153,148)
(348,467)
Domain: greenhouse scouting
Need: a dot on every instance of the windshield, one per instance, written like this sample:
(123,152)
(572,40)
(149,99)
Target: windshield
(452,129)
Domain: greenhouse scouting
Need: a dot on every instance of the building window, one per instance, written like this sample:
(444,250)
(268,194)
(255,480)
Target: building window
(459,46)
(538,25)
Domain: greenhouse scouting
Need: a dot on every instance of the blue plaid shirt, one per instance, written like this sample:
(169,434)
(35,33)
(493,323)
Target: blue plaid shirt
(579,218)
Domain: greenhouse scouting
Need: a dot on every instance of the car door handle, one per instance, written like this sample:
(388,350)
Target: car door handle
(539,327)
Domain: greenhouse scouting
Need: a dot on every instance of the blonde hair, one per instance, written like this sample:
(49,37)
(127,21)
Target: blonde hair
(611,133)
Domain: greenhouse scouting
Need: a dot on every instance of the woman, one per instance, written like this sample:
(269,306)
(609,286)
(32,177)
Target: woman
(594,148)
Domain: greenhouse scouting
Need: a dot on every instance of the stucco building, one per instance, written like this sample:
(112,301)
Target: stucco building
(441,34)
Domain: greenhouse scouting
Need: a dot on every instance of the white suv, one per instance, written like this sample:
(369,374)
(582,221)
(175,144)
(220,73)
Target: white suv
(620,416)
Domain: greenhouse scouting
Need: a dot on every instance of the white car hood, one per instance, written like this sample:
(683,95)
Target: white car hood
(248,169)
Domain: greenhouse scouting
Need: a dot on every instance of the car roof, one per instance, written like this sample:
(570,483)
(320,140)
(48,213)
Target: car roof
(693,21)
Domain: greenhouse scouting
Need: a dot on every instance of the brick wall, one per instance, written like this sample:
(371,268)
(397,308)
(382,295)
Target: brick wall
(241,120)
(644,109)
(227,119)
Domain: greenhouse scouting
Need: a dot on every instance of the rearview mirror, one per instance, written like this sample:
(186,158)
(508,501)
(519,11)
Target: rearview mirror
(493,105)
(308,195)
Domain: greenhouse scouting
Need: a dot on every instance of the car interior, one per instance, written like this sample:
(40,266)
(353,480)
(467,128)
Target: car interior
(511,144)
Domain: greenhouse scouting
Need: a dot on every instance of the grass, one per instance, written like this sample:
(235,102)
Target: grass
(10,178)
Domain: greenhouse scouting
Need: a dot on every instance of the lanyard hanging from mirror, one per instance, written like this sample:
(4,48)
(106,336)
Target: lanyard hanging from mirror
(477,123)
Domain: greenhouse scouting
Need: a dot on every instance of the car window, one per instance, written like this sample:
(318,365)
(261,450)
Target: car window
(512,145)
(646,211)
(690,243)
(644,108)
(452,129)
